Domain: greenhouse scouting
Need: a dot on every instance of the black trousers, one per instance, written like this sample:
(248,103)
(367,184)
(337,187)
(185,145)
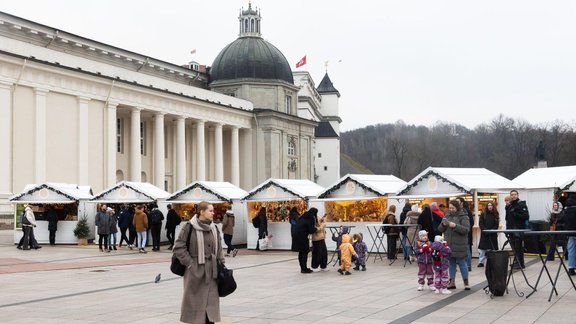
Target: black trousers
(228,241)
(28,240)
(131,235)
(319,254)
(123,236)
(560,241)
(171,235)
(155,230)
(302,259)
(103,239)
(517,244)
(392,249)
(53,237)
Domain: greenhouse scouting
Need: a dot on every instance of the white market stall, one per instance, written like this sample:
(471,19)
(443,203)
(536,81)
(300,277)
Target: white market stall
(279,196)
(221,195)
(133,193)
(69,201)
(357,200)
(541,186)
(477,185)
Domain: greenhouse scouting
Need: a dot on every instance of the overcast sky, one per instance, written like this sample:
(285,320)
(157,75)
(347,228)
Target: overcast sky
(417,61)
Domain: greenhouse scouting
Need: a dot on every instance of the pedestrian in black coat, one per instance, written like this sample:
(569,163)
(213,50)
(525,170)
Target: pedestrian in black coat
(263,227)
(172,221)
(156,218)
(427,219)
(489,219)
(293,217)
(52,218)
(304,227)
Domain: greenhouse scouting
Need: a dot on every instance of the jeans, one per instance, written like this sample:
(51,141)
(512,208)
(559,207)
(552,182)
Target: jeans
(572,252)
(461,262)
(482,256)
(142,239)
(112,239)
(406,248)
(469,256)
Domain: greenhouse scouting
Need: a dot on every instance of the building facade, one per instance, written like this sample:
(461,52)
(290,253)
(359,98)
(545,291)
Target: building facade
(75,110)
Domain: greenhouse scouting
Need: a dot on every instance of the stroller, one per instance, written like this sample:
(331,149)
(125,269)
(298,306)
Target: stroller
(496,272)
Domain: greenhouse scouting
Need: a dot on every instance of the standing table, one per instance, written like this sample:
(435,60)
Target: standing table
(552,235)
(333,230)
(377,234)
(410,240)
(512,234)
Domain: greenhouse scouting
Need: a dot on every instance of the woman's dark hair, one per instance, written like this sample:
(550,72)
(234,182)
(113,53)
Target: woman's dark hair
(262,211)
(494,211)
(294,210)
(456,203)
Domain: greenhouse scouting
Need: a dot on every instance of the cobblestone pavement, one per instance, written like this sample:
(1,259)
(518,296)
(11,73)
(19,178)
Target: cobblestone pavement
(70,284)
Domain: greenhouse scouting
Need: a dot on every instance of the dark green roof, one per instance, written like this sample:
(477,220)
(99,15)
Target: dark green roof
(326,86)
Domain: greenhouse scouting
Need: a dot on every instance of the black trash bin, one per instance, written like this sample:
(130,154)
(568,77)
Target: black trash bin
(535,243)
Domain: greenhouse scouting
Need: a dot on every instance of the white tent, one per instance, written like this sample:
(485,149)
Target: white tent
(131,192)
(362,186)
(216,192)
(53,193)
(540,185)
(274,190)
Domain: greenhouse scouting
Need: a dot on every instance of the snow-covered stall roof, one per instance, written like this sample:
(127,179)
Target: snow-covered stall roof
(210,191)
(131,192)
(555,177)
(284,189)
(52,193)
(453,181)
(362,186)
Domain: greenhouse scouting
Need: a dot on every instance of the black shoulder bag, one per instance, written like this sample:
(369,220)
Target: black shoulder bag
(176,266)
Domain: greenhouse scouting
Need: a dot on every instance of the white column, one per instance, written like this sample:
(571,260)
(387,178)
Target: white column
(219,153)
(159,169)
(83,127)
(180,153)
(111,145)
(5,140)
(135,153)
(200,151)
(40,136)
(235,157)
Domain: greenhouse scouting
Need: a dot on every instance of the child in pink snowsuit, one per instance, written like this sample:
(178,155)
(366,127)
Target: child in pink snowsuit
(440,255)
(424,257)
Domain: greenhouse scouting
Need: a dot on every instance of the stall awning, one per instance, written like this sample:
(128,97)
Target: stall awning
(284,189)
(346,199)
(52,193)
(211,191)
(131,192)
(359,185)
(554,177)
(424,196)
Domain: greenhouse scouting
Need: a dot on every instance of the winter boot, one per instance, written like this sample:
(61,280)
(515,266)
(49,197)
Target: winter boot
(451,284)
(357,268)
(466,285)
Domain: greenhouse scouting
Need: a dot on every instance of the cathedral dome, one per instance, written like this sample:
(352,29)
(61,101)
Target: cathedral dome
(250,56)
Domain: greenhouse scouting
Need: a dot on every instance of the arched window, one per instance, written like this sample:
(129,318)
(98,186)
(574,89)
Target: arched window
(257,26)
(119,175)
(245,25)
(252,25)
(143,177)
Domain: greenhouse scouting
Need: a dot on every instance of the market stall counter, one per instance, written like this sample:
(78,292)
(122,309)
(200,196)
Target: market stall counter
(64,201)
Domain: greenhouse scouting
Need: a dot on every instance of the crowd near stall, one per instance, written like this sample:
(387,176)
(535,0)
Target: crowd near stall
(63,203)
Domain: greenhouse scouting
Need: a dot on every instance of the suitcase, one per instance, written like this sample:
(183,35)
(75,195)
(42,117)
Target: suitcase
(496,272)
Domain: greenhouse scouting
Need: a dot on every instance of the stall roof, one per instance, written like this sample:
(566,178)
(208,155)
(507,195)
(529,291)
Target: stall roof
(131,192)
(556,177)
(290,189)
(50,193)
(210,191)
(464,179)
(380,185)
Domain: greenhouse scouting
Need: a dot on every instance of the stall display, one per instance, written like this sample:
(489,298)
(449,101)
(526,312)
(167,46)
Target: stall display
(372,210)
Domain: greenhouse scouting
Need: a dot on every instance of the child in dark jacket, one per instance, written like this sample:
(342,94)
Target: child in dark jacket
(440,254)
(361,250)
(337,237)
(424,257)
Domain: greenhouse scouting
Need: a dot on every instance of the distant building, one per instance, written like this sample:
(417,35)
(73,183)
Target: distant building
(75,110)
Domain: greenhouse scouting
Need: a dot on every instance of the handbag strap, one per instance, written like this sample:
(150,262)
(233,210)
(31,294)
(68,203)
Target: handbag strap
(188,239)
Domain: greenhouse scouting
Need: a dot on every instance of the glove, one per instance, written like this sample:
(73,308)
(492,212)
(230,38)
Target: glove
(425,248)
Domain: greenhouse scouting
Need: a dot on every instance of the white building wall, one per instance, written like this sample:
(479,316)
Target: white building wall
(327,156)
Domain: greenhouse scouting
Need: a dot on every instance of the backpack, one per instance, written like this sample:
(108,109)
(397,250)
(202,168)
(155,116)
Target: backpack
(256,221)
(24,220)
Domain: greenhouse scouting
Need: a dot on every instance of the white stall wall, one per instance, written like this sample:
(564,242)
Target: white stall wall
(539,202)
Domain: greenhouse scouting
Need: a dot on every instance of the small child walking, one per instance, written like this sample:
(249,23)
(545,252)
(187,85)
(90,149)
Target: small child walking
(346,253)
(361,250)
(424,257)
(440,254)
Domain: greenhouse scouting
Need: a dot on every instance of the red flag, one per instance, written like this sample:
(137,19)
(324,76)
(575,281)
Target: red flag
(301,62)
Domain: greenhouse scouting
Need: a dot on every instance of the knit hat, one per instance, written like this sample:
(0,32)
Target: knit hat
(433,205)
(422,233)
(438,238)
(415,208)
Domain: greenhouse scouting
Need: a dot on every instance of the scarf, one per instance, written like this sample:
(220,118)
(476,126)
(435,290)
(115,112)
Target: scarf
(201,227)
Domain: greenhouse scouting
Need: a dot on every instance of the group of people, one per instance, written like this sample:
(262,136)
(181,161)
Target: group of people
(564,218)
(136,221)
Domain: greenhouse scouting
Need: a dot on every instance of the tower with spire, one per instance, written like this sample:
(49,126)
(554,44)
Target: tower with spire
(249,20)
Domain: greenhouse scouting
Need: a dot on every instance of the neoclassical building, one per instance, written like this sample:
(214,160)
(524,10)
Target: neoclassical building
(75,110)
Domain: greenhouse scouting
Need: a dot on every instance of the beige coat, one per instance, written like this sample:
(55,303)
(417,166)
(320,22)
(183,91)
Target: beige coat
(320,233)
(200,295)
(228,224)
(412,218)
(140,221)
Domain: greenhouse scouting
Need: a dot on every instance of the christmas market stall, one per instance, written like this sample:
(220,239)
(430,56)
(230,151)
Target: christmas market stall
(130,194)
(278,196)
(357,200)
(221,195)
(543,186)
(67,201)
(478,186)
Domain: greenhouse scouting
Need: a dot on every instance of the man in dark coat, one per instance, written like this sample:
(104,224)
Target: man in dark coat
(124,221)
(570,225)
(172,221)
(52,218)
(517,217)
(304,227)
(156,218)
(293,217)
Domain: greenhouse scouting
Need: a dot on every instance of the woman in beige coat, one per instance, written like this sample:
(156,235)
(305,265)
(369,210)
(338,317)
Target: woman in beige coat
(200,302)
